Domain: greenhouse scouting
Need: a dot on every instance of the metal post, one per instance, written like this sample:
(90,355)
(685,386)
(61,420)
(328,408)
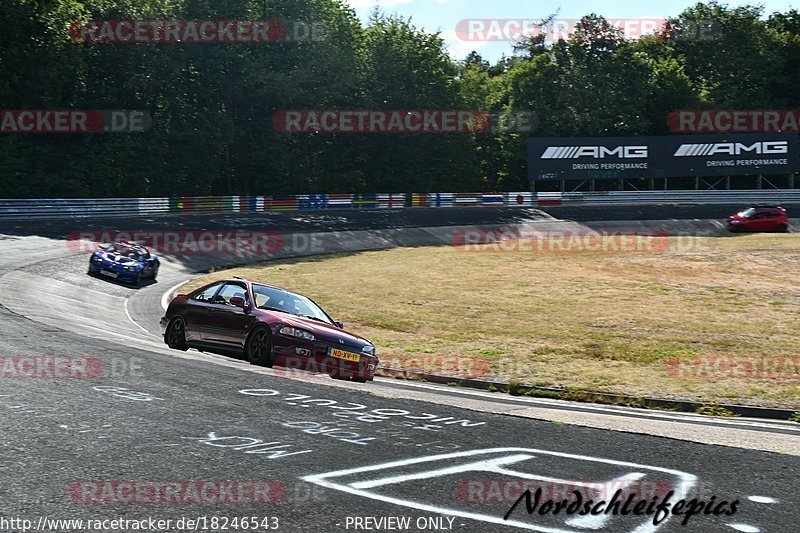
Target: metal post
(760,181)
(727,183)
(591,185)
(791,180)
(666,183)
(697,183)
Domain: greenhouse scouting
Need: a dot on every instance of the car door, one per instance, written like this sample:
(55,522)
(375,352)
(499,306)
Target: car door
(226,323)
(757,221)
(195,312)
(770,220)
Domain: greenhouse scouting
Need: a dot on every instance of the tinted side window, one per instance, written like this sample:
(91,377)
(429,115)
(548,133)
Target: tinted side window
(229,291)
(207,294)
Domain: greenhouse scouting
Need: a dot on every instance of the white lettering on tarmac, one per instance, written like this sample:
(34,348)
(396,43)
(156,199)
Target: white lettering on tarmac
(253,446)
(359,412)
(362,481)
(315,428)
(121,392)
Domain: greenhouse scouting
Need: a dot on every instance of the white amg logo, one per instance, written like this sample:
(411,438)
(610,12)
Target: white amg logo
(595,152)
(698,150)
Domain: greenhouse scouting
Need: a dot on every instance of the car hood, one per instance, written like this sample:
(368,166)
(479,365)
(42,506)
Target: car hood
(116,258)
(323,332)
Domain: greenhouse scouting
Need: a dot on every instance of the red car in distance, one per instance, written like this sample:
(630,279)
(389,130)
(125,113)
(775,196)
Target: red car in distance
(266,325)
(759,218)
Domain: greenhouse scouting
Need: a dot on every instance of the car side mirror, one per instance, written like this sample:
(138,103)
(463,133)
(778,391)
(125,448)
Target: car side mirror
(238,301)
(338,324)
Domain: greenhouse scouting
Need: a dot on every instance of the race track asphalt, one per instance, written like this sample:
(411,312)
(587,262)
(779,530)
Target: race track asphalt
(331,454)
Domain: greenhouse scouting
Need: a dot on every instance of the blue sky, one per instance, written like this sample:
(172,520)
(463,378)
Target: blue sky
(444,15)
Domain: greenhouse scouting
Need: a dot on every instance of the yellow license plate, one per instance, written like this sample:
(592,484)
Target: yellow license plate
(341,354)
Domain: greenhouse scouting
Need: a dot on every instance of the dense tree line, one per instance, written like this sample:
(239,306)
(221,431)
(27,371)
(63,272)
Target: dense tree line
(213,104)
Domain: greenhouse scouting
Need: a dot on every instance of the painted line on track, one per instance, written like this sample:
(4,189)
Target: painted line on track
(166,296)
(128,314)
(686,481)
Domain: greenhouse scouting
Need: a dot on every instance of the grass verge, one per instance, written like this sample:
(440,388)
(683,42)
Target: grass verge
(713,320)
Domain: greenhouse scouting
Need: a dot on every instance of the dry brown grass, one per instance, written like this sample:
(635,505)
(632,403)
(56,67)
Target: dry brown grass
(593,321)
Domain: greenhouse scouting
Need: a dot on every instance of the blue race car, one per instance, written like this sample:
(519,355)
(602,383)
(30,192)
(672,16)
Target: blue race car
(124,261)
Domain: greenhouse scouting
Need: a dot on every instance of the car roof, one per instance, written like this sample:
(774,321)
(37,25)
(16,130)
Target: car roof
(252,282)
(131,245)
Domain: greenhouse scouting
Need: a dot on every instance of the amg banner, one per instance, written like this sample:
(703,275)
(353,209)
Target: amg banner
(553,158)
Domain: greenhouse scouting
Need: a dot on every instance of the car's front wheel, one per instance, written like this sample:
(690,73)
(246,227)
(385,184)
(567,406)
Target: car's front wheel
(258,348)
(176,334)
(782,228)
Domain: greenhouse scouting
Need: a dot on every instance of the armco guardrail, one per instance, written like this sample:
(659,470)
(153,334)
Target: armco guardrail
(49,208)
(671,197)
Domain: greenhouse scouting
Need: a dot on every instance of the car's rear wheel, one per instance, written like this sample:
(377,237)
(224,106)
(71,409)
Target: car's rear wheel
(782,228)
(155,272)
(258,348)
(176,334)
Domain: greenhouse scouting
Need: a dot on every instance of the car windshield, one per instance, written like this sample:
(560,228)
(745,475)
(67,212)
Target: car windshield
(288,302)
(126,251)
(747,212)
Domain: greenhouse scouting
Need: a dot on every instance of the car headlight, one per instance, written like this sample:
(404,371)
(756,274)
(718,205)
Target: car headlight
(95,259)
(369,349)
(297,332)
(735,221)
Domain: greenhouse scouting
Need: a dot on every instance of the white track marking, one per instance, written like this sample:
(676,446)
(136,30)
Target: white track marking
(480,466)
(744,528)
(128,314)
(600,521)
(166,296)
(685,484)
(762,499)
